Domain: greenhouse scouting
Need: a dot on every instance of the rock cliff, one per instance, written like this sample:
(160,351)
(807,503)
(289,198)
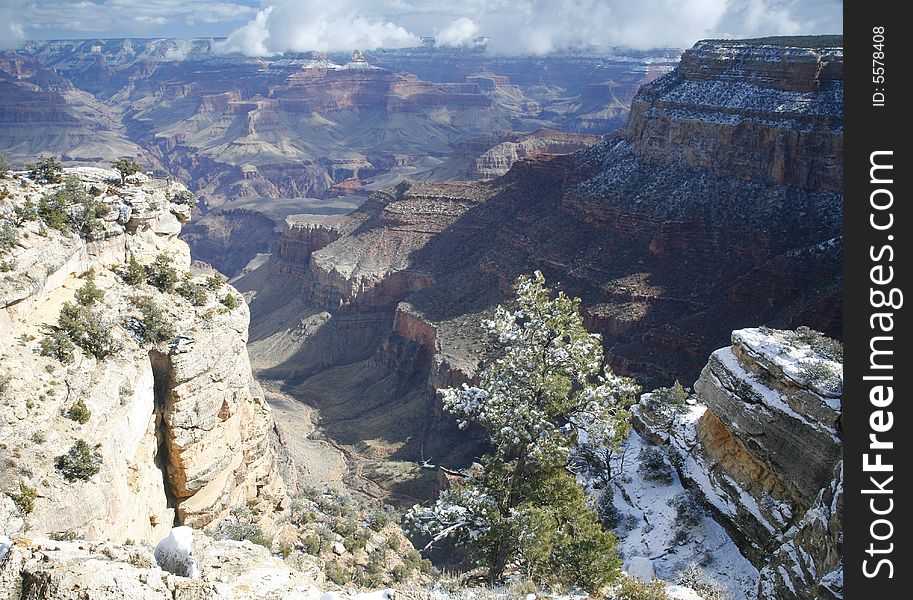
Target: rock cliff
(762,446)
(156,400)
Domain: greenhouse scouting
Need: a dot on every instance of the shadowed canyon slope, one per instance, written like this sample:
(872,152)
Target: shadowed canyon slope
(719,206)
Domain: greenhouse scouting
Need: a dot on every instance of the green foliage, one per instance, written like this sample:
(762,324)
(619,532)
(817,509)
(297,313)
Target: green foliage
(86,329)
(230,301)
(311,544)
(134,273)
(126,167)
(161,273)
(608,512)
(25,498)
(4,165)
(7,265)
(71,209)
(356,540)
(184,197)
(46,169)
(561,539)
(239,526)
(25,212)
(79,412)
(9,237)
(57,344)
(89,294)
(53,212)
(195,293)
(80,463)
(336,573)
(547,386)
(635,589)
(153,326)
(215,282)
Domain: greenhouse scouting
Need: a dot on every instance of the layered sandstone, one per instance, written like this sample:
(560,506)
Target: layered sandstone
(180,427)
(762,446)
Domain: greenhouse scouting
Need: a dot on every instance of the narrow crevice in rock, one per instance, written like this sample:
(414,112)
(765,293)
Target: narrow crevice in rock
(162,389)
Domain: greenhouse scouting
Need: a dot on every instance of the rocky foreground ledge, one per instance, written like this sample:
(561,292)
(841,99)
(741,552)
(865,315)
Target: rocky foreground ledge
(159,430)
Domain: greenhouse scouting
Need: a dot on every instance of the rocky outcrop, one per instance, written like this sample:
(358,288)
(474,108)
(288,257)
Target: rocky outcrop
(36,567)
(760,113)
(762,446)
(178,429)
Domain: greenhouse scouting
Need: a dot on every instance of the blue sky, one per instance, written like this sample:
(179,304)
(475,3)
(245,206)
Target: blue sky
(537,26)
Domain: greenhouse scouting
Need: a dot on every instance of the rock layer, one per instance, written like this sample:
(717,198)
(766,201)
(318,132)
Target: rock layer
(763,448)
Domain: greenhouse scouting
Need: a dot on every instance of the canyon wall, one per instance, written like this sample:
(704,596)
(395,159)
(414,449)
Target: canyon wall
(178,430)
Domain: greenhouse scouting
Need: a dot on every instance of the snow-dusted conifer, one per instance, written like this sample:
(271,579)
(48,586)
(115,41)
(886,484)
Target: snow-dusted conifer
(546,391)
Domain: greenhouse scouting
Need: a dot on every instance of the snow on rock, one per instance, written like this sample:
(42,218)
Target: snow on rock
(5,544)
(761,450)
(175,553)
(679,592)
(649,526)
(640,567)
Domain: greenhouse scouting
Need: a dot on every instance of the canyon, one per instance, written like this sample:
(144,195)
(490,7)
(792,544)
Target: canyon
(670,237)
(373,209)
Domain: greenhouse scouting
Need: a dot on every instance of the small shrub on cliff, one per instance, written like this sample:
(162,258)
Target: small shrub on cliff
(653,465)
(215,282)
(161,273)
(134,272)
(336,573)
(25,498)
(126,167)
(706,587)
(87,329)
(635,589)
(25,212)
(184,197)
(153,326)
(46,169)
(238,526)
(195,293)
(4,165)
(821,374)
(80,463)
(79,412)
(688,510)
(230,301)
(820,343)
(89,294)
(9,237)
(71,209)
(57,344)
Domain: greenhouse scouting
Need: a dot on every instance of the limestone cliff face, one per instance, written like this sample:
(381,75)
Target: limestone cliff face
(180,428)
(763,448)
(760,113)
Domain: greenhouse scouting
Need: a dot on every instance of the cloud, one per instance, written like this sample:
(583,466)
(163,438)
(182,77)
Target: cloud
(458,33)
(11,34)
(302,25)
(267,27)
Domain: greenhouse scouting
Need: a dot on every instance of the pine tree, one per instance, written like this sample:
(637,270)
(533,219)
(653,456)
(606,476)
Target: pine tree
(546,391)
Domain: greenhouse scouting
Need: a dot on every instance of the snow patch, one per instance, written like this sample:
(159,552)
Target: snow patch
(175,553)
